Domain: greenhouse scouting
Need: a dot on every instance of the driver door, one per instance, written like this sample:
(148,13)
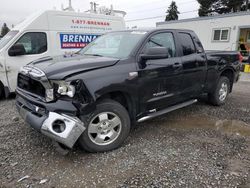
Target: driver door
(160,79)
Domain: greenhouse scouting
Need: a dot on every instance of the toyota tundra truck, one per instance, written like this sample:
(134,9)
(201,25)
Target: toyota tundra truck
(122,78)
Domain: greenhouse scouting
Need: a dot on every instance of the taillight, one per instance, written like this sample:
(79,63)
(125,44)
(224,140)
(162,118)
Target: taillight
(240,57)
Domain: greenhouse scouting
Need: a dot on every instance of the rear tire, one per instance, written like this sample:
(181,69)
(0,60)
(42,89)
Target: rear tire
(106,128)
(220,94)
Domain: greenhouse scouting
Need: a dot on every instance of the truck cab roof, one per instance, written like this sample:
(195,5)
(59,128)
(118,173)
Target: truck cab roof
(157,29)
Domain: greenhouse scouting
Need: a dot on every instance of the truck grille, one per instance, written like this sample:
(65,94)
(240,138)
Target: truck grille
(28,84)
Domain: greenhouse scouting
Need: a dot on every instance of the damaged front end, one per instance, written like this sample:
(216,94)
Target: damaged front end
(43,106)
(63,128)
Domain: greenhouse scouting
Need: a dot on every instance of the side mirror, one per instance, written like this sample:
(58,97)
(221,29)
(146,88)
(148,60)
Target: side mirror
(16,50)
(155,53)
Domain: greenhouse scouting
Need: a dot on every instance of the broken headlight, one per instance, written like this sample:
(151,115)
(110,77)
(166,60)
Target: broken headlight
(64,88)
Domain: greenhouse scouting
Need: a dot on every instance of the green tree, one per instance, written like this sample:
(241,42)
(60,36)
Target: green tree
(172,12)
(226,6)
(235,6)
(221,6)
(205,7)
(4,29)
(246,6)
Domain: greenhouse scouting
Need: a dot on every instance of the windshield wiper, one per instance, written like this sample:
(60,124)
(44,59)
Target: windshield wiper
(156,43)
(78,52)
(98,55)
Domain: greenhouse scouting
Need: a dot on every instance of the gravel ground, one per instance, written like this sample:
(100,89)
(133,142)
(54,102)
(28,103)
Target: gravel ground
(198,146)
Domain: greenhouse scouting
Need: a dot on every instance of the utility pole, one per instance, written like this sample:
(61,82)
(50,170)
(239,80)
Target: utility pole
(93,7)
(247,2)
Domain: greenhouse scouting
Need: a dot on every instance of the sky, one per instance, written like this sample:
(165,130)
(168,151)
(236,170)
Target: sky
(15,11)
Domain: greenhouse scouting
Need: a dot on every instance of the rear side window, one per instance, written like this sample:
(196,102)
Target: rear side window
(34,43)
(187,44)
(164,40)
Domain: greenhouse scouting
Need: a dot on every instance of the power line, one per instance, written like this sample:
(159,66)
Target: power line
(154,17)
(129,12)
(133,7)
(149,3)
(153,2)
(148,18)
(161,1)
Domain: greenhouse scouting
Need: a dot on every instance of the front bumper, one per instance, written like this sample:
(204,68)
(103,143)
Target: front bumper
(50,119)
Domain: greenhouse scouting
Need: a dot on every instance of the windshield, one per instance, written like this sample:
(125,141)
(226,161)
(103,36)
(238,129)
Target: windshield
(7,38)
(117,45)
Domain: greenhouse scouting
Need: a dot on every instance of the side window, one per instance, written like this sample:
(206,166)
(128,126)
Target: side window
(221,35)
(187,44)
(164,40)
(34,43)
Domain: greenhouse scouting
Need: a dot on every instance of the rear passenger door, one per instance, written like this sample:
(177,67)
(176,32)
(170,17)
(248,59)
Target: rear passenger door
(194,66)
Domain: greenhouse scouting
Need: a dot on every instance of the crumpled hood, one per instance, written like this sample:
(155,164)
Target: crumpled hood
(60,67)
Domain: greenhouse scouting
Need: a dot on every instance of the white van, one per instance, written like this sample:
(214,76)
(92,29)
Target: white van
(49,33)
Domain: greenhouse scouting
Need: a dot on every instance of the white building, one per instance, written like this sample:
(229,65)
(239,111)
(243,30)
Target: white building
(218,32)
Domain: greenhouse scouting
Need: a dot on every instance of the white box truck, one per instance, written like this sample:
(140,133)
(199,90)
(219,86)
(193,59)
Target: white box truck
(49,33)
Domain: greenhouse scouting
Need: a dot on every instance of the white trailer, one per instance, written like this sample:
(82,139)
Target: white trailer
(218,32)
(49,33)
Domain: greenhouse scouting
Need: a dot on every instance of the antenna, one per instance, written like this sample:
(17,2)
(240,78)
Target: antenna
(104,10)
(70,5)
(93,7)
(69,8)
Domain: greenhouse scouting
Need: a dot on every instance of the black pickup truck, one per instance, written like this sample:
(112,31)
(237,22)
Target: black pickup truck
(125,77)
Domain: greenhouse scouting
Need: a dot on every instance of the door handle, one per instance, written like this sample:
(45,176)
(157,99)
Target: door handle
(177,65)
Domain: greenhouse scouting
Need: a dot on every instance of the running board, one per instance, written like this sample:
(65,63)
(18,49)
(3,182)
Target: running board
(170,109)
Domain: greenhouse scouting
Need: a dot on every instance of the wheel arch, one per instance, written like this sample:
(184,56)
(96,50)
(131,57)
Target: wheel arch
(123,98)
(230,74)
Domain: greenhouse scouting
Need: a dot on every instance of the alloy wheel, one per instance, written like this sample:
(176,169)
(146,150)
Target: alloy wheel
(223,91)
(104,128)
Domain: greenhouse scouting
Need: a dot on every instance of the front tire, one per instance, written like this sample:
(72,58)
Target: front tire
(220,94)
(106,128)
